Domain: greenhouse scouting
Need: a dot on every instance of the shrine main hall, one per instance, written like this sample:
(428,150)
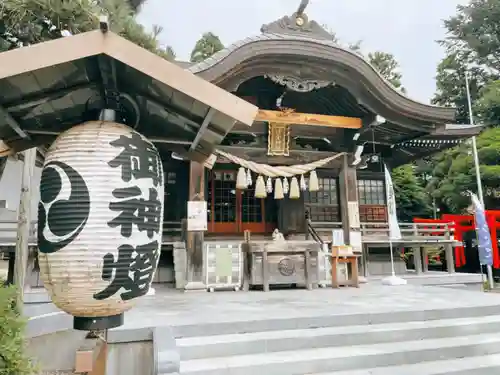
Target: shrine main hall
(313,159)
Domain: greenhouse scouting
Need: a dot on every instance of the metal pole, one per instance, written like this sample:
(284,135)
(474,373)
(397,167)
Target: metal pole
(477,169)
(23,226)
(393,270)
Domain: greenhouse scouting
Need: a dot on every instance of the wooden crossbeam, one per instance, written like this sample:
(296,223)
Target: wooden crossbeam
(308,119)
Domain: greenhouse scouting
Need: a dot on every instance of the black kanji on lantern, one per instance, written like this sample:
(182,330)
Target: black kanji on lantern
(139,159)
(134,210)
(133,271)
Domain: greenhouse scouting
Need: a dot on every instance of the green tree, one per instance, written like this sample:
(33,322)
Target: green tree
(474,35)
(136,4)
(453,173)
(487,106)
(411,198)
(385,63)
(451,87)
(205,47)
(25,22)
(13,358)
(388,67)
(472,48)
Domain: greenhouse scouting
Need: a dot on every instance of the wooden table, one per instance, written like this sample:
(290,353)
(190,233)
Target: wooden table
(349,259)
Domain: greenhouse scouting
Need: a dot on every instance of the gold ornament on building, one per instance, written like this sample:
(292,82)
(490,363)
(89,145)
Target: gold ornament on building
(278,143)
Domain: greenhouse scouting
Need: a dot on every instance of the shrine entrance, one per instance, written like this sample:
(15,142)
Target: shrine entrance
(232,211)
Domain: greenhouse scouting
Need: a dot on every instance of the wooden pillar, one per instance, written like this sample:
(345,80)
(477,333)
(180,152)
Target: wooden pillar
(349,206)
(450,261)
(194,241)
(417,259)
(348,199)
(23,225)
(448,248)
(425,259)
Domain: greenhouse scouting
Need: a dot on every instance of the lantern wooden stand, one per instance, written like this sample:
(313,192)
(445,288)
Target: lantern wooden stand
(340,254)
(91,357)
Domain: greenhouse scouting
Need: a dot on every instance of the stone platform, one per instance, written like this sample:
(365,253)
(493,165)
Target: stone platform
(404,330)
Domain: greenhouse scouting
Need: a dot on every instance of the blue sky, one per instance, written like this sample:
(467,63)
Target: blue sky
(406,28)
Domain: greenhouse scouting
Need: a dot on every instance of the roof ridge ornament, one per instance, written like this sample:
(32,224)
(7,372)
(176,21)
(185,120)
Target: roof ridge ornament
(302,7)
(297,24)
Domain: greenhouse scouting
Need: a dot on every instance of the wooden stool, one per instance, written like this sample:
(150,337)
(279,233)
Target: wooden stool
(349,259)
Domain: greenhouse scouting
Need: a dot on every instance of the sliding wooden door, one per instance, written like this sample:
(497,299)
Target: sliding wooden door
(233,211)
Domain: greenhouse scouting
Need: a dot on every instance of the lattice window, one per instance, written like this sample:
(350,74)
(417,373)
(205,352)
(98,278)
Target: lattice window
(370,213)
(371,197)
(224,197)
(371,192)
(323,205)
(176,192)
(251,207)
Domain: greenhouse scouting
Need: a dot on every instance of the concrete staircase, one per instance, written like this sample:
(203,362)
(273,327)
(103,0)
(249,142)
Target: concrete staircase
(450,341)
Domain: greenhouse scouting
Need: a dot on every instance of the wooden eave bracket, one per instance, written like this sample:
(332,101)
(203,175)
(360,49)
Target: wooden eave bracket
(13,124)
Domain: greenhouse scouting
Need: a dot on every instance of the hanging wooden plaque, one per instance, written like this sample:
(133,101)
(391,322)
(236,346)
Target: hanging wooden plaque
(278,143)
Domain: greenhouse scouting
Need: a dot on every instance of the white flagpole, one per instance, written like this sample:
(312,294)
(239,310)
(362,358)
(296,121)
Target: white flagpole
(392,258)
(477,169)
(394,231)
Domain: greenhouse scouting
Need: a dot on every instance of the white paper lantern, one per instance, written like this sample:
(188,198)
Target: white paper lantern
(100,221)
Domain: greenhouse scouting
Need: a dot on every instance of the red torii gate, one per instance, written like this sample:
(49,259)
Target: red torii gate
(460,224)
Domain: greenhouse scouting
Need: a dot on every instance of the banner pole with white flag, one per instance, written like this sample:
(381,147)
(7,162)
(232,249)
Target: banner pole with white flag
(394,230)
(484,244)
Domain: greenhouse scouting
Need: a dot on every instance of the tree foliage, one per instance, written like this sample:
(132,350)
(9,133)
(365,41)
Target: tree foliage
(411,198)
(13,359)
(473,48)
(136,4)
(205,47)
(453,173)
(388,67)
(26,22)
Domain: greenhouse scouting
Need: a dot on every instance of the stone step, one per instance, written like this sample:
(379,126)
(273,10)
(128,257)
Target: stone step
(320,360)
(323,321)
(297,339)
(481,365)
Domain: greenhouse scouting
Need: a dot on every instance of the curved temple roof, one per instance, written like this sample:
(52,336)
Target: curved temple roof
(300,48)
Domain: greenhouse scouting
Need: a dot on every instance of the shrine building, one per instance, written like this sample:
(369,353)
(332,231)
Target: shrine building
(327,123)
(316,99)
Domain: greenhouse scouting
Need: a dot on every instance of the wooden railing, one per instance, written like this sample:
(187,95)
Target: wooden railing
(371,232)
(378,233)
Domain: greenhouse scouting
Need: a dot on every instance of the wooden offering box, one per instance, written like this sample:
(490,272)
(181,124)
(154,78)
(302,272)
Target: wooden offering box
(345,254)
(286,263)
